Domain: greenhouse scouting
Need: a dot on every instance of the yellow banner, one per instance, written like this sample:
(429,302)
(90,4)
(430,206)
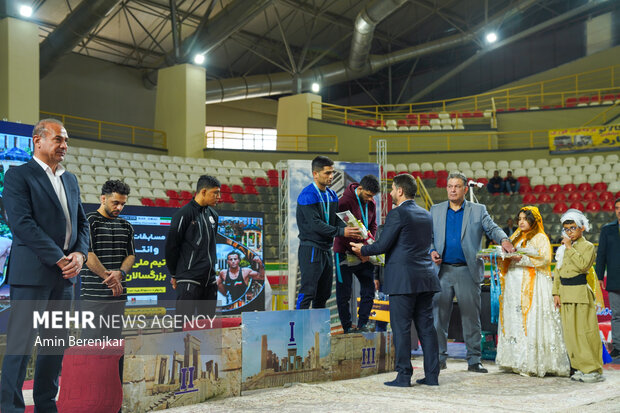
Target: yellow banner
(585,139)
(145,290)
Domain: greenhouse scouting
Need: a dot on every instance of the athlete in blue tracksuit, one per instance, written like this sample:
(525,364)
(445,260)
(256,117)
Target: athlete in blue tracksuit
(318,224)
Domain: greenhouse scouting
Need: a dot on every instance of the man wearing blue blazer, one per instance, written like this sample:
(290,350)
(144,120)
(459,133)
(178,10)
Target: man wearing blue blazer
(410,280)
(50,243)
(458,226)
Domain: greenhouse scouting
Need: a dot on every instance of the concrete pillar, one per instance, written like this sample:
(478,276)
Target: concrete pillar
(292,122)
(180,108)
(19,70)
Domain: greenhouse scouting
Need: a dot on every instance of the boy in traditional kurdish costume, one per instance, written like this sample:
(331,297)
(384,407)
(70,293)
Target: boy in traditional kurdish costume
(574,293)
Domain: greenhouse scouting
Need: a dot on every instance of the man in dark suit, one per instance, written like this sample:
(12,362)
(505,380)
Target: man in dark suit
(50,243)
(410,280)
(608,258)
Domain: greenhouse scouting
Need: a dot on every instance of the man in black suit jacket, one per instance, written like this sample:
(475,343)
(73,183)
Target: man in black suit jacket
(50,243)
(410,280)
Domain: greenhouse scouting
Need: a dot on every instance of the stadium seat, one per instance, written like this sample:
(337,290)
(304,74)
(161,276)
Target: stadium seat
(172,194)
(416,174)
(595,178)
(550,179)
(536,180)
(560,171)
(606,196)
(426,166)
(584,187)
(452,166)
(529,163)
(570,161)
(429,175)
(578,206)
(438,166)
(559,197)
(413,166)
(583,160)
(463,166)
(544,198)
(477,165)
(261,181)
(391,174)
(532,172)
(186,195)
(542,162)
(267,165)
(580,179)
(401,167)
(514,164)
(480,173)
(503,165)
(490,165)
(571,102)
(273,182)
(609,206)
(590,196)
(597,160)
(554,188)
(441,182)
(523,180)
(539,189)
(569,187)
(565,180)
(483,180)
(600,187)
(147,202)
(555,162)
(593,206)
(442,173)
(608,99)
(574,196)
(237,189)
(560,208)
(525,189)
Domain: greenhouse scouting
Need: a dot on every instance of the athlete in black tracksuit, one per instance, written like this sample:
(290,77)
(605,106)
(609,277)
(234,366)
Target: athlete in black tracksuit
(191,252)
(316,233)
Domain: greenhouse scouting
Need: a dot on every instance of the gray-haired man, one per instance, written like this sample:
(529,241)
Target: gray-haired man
(458,226)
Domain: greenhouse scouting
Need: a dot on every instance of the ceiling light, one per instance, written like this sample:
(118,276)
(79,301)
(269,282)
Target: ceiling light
(491,37)
(199,59)
(25,11)
(316,87)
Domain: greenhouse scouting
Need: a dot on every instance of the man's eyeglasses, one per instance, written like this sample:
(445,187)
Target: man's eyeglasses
(570,229)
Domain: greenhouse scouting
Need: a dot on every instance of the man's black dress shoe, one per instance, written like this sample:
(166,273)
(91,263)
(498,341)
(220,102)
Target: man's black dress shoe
(614,353)
(396,383)
(477,368)
(443,365)
(423,381)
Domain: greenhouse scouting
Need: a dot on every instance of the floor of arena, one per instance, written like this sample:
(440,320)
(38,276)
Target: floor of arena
(459,391)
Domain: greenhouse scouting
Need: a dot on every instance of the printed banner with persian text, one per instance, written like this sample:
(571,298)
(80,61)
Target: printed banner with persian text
(584,139)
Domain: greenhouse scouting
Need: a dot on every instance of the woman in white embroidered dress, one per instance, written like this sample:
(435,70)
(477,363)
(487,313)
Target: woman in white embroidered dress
(530,338)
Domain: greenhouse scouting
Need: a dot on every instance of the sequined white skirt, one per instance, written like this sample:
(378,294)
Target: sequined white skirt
(542,350)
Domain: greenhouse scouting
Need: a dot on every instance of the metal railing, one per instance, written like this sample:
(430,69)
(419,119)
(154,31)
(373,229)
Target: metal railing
(551,92)
(603,117)
(423,192)
(462,141)
(110,132)
(291,143)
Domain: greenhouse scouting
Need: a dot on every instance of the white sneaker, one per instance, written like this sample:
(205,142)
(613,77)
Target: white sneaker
(577,375)
(592,377)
